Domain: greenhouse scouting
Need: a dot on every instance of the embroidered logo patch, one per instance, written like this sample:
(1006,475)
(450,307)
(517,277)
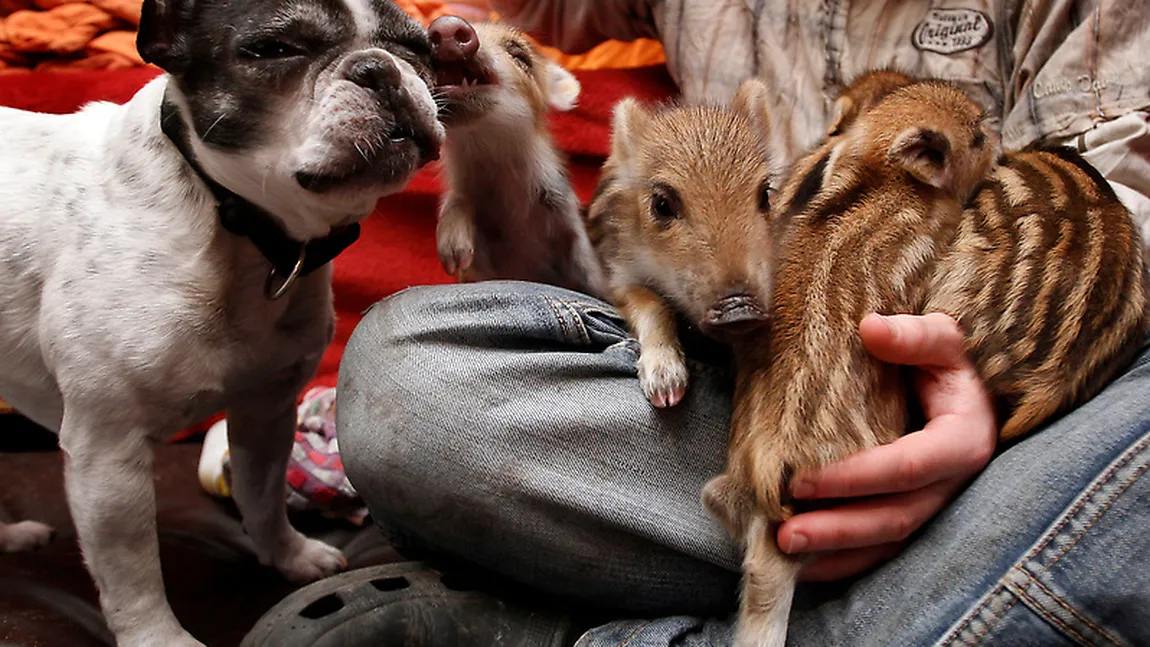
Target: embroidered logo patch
(949,31)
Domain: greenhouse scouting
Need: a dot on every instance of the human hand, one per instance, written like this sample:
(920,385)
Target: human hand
(899,486)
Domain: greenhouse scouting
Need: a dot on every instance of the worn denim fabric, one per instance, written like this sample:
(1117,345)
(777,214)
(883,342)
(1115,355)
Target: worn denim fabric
(502,423)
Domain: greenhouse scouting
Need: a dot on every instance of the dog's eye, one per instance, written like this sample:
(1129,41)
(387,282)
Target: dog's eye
(420,47)
(270,49)
(666,205)
(765,197)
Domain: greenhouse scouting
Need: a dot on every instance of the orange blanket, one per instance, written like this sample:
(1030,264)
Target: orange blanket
(609,55)
(101,34)
(68,34)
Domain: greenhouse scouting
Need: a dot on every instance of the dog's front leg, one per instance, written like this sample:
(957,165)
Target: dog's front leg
(261,429)
(108,479)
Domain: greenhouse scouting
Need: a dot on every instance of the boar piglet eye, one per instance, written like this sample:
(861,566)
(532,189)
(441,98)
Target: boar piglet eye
(665,204)
(519,54)
(765,196)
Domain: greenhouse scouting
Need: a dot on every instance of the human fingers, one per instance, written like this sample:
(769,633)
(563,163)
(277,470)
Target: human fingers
(869,522)
(847,563)
(949,446)
(913,340)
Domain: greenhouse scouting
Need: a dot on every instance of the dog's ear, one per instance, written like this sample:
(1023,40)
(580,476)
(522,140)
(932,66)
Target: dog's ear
(158,39)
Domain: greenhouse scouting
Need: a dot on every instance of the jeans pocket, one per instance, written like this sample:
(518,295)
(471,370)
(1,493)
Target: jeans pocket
(1087,580)
(597,324)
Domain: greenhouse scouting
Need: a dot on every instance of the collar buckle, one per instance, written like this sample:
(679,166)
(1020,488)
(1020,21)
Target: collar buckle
(276,293)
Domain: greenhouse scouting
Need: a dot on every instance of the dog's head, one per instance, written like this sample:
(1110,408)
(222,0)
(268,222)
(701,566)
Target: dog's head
(310,109)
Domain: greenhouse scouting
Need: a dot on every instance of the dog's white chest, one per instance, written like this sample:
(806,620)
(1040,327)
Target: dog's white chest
(118,281)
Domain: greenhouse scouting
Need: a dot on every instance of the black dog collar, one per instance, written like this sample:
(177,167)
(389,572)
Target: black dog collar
(290,258)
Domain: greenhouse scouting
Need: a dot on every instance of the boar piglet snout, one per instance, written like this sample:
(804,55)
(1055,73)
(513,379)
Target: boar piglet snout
(735,315)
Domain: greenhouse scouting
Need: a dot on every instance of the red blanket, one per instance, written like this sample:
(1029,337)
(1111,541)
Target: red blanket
(397,246)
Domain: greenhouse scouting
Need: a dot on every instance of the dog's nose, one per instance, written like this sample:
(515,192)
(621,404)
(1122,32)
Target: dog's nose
(453,39)
(374,73)
(733,315)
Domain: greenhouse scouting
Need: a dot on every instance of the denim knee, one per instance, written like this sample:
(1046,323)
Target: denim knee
(503,423)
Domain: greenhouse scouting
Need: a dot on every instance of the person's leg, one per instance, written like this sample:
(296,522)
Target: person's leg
(502,423)
(1049,546)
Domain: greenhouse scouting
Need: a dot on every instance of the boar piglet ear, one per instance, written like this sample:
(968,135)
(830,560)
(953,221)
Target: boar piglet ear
(628,122)
(841,112)
(751,101)
(925,154)
(562,87)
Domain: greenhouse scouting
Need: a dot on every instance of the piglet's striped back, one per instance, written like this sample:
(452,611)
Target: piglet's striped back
(1045,275)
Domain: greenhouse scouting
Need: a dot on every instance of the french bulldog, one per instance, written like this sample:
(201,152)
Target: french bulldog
(168,258)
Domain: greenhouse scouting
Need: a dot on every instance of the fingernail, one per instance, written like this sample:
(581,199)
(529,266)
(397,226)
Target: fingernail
(802,489)
(889,325)
(797,544)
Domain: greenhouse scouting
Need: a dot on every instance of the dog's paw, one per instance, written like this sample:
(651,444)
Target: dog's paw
(663,376)
(455,240)
(25,535)
(310,560)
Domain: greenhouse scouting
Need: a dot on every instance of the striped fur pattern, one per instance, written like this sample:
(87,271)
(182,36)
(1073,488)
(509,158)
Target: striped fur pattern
(679,220)
(1045,275)
(863,94)
(857,229)
(1042,269)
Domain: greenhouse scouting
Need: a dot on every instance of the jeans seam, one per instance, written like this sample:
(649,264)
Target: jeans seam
(1032,555)
(1051,618)
(558,317)
(1062,603)
(979,634)
(631,637)
(577,317)
(1083,501)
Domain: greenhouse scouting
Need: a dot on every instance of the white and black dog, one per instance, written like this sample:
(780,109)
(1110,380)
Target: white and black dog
(168,258)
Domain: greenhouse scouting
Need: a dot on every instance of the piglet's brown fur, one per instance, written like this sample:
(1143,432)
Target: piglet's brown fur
(857,227)
(1043,271)
(680,222)
(508,210)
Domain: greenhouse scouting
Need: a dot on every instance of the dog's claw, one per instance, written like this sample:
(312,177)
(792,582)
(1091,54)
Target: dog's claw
(311,560)
(25,535)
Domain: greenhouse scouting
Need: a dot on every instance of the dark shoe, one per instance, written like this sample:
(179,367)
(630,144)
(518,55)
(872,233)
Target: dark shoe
(405,605)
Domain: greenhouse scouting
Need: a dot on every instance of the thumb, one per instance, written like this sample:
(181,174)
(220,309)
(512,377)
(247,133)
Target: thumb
(930,340)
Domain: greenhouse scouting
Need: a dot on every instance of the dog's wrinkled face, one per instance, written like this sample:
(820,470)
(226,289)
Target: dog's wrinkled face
(311,109)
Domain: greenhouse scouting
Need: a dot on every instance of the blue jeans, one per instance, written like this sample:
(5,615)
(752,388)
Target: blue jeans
(502,423)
